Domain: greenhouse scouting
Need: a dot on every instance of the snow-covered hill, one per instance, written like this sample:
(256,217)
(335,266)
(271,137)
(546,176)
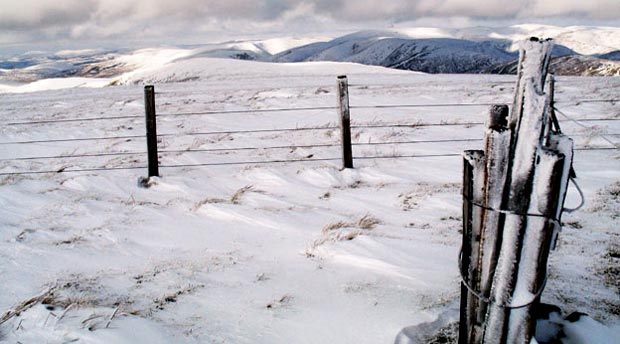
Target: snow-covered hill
(433,55)
(272,253)
(432,50)
(476,50)
(569,65)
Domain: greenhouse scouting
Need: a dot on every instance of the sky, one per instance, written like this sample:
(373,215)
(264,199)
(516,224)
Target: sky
(58,24)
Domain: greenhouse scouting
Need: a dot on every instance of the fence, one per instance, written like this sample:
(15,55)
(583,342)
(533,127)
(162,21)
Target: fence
(348,127)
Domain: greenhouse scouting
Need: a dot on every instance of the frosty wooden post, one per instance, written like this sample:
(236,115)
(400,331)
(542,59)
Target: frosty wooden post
(151,131)
(473,163)
(511,208)
(345,121)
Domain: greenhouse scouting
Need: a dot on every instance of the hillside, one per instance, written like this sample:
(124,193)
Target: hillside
(476,53)
(593,51)
(227,248)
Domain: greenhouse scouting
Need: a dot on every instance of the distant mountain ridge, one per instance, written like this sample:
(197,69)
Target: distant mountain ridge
(579,51)
(442,55)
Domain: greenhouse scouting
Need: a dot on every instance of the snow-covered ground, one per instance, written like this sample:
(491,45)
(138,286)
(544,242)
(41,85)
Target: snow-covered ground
(272,253)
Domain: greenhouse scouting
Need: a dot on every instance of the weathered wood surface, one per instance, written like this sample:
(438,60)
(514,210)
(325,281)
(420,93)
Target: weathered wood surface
(345,121)
(151,131)
(518,193)
(473,165)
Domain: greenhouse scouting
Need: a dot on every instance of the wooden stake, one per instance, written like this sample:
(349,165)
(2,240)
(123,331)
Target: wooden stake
(345,121)
(473,178)
(497,145)
(151,131)
(519,193)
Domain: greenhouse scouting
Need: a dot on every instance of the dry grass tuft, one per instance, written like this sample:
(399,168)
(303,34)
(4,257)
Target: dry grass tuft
(368,222)
(236,197)
(343,231)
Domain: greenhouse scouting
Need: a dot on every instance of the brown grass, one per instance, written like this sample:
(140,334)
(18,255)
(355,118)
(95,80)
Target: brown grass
(344,231)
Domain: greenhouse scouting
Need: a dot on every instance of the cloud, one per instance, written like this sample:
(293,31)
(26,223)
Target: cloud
(26,14)
(140,19)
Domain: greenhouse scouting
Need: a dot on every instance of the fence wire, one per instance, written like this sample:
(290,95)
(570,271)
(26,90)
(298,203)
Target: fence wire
(263,162)
(579,121)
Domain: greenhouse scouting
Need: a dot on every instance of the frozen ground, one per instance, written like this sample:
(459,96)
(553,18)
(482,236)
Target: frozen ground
(278,253)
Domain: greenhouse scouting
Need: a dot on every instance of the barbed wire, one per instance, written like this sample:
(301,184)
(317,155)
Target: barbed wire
(275,110)
(69,120)
(245,111)
(249,148)
(233,149)
(86,155)
(417,105)
(261,162)
(123,137)
(578,122)
(248,131)
(63,170)
(318,128)
(578,102)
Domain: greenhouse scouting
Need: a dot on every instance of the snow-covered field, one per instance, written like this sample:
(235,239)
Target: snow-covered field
(272,253)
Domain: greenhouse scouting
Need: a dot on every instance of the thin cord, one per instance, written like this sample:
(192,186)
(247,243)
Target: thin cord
(581,195)
(479,295)
(490,301)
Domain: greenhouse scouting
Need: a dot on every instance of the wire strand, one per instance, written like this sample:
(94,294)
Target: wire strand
(249,148)
(246,162)
(418,105)
(413,125)
(584,126)
(75,139)
(249,131)
(208,113)
(95,169)
(68,120)
(256,162)
(579,102)
(74,156)
(413,142)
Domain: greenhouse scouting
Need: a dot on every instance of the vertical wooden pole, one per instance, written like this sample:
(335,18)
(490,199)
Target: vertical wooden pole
(345,121)
(523,182)
(496,147)
(151,130)
(527,122)
(468,179)
(473,178)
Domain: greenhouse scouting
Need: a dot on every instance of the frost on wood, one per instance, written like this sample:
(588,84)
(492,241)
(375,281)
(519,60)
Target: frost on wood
(523,186)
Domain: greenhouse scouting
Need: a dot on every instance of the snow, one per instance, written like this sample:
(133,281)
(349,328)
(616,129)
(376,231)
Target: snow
(586,40)
(425,32)
(57,84)
(70,53)
(280,44)
(587,330)
(187,261)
